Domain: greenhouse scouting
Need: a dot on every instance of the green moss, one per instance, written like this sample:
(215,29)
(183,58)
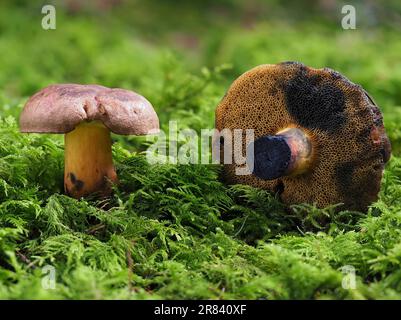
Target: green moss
(178,232)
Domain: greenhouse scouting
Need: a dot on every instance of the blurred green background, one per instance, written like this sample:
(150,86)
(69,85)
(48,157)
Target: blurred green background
(162,48)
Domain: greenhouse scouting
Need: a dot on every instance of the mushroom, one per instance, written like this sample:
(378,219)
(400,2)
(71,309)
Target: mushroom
(319,138)
(86,114)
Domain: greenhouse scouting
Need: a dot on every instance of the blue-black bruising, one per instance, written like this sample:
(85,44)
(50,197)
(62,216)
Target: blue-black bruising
(314,104)
(271,157)
(78,184)
(349,190)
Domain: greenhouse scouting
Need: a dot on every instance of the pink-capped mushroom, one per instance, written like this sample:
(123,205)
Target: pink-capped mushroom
(87,114)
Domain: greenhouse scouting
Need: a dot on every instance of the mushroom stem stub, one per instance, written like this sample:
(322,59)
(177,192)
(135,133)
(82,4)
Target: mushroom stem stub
(288,153)
(88,160)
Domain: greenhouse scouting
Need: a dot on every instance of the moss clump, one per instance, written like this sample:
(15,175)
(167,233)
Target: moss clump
(177,232)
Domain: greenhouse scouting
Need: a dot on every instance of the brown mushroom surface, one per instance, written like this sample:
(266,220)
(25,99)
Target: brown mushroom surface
(319,138)
(87,114)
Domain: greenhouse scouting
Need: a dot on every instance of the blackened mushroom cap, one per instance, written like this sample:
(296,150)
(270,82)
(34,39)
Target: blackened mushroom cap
(344,124)
(60,108)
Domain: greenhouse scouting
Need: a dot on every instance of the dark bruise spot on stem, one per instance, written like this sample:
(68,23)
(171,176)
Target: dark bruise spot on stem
(313,103)
(78,184)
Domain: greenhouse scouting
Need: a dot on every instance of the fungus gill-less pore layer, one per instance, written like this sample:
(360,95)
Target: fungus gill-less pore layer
(350,147)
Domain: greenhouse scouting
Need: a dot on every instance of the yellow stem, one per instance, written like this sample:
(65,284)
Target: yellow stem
(88,161)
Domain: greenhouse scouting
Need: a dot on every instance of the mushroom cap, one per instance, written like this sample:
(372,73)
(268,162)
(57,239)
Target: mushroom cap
(59,108)
(345,126)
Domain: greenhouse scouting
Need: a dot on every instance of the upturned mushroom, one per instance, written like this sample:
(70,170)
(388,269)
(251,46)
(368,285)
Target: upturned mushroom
(319,138)
(86,114)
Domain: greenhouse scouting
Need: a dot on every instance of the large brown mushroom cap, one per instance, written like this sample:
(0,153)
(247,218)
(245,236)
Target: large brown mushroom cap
(345,126)
(60,108)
